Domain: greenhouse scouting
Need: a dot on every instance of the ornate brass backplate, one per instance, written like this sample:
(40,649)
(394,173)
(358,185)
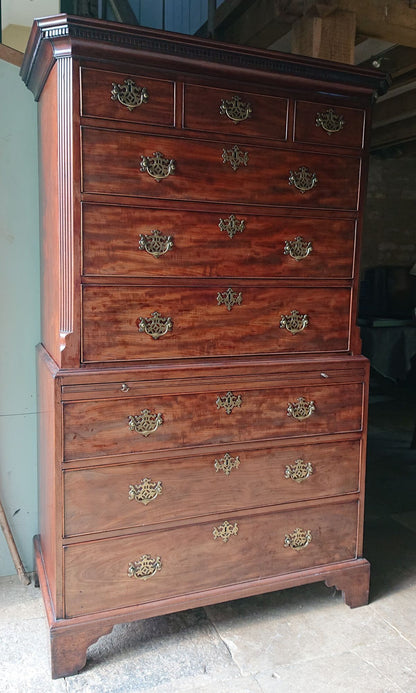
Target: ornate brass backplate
(145,491)
(225,531)
(232,225)
(330,121)
(229,401)
(235,157)
(129,94)
(303,179)
(298,471)
(235,109)
(157,166)
(155,243)
(156,326)
(227,463)
(294,322)
(146,422)
(145,567)
(298,249)
(229,298)
(301,409)
(298,539)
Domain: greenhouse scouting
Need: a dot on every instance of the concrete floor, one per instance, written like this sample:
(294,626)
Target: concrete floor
(302,640)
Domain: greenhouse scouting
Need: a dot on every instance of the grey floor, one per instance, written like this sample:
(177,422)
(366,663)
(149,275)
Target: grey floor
(299,640)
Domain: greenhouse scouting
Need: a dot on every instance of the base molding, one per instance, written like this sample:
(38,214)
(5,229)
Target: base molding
(70,638)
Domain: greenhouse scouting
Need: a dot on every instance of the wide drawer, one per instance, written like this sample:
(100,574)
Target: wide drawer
(114,497)
(231,414)
(101,575)
(234,112)
(152,322)
(334,126)
(179,243)
(112,163)
(127,97)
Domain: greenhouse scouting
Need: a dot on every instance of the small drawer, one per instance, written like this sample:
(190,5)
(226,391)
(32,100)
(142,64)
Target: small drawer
(108,574)
(334,126)
(176,243)
(233,112)
(131,164)
(127,97)
(109,497)
(213,416)
(123,323)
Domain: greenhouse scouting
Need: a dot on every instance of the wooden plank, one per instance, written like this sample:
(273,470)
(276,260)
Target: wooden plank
(331,37)
(10,55)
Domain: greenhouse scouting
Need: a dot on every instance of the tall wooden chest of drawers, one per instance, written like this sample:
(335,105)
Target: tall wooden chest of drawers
(202,396)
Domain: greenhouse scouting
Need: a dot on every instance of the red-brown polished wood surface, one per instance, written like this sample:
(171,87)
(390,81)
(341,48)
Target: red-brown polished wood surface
(307,130)
(97,499)
(97,86)
(96,572)
(111,235)
(112,160)
(202,327)
(94,429)
(202,111)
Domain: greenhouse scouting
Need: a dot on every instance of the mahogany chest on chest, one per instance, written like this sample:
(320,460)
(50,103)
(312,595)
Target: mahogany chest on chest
(202,396)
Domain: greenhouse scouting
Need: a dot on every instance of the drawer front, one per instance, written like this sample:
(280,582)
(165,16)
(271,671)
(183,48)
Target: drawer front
(97,573)
(202,244)
(333,126)
(126,97)
(131,495)
(233,112)
(112,164)
(104,427)
(124,323)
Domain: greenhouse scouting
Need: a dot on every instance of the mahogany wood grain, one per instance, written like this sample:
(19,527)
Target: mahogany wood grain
(306,130)
(201,327)
(97,101)
(92,429)
(96,572)
(111,165)
(202,104)
(97,499)
(202,249)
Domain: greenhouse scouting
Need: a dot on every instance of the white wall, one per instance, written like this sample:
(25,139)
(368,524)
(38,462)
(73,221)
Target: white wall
(19,312)
(23,11)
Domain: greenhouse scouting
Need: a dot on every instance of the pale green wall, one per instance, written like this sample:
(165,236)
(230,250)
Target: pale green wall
(19,312)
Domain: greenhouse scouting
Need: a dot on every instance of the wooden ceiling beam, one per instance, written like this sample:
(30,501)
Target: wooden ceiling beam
(262,22)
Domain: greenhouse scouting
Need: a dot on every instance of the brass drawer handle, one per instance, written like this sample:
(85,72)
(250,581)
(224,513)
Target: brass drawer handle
(156,326)
(227,463)
(235,109)
(155,243)
(303,179)
(146,422)
(229,298)
(145,567)
(298,471)
(298,539)
(294,322)
(225,531)
(232,225)
(129,94)
(157,166)
(301,409)
(146,491)
(330,121)
(235,157)
(229,401)
(298,249)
